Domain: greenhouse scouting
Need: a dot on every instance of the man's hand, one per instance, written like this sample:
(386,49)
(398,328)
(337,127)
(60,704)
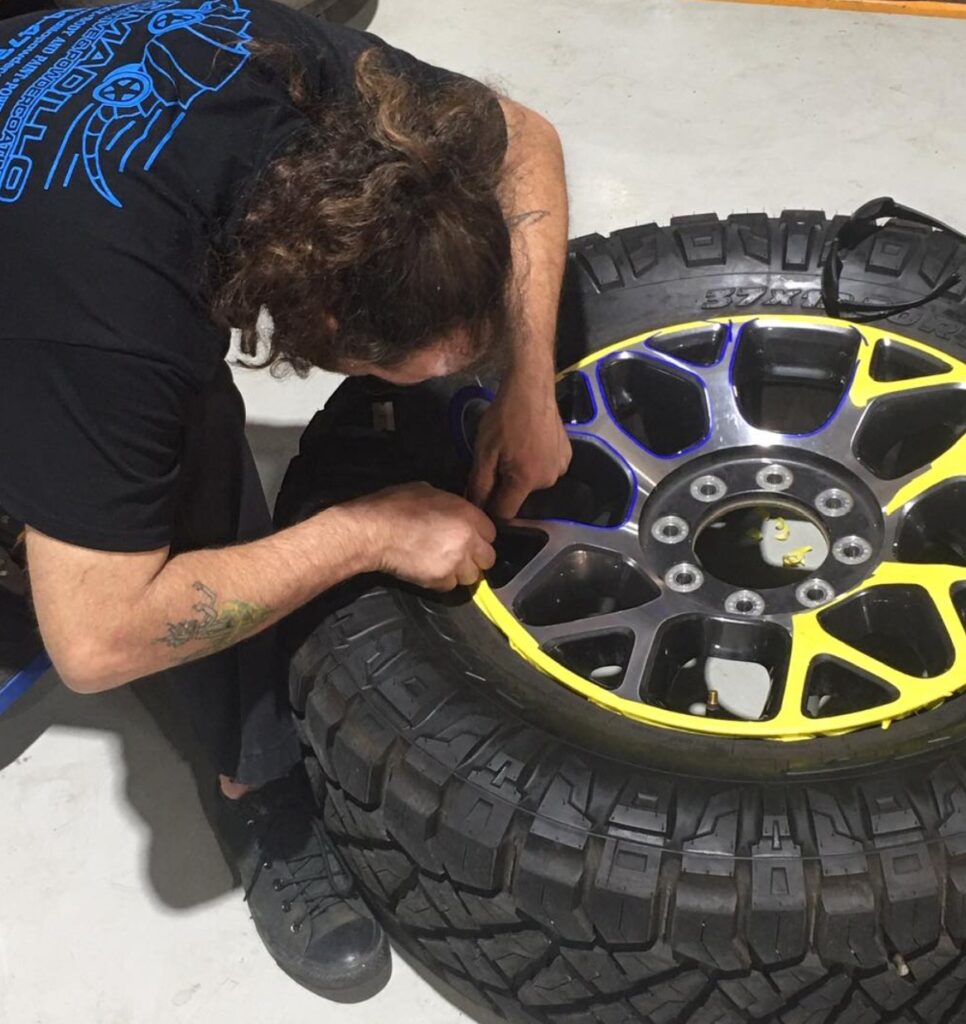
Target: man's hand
(108,617)
(426,536)
(521,447)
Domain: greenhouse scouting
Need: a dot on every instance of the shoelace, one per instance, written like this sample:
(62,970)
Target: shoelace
(319,889)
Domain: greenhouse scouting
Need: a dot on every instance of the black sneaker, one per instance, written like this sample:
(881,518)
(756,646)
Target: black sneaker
(302,900)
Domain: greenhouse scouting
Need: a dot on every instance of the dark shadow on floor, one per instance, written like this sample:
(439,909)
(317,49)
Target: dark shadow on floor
(184,865)
(167,781)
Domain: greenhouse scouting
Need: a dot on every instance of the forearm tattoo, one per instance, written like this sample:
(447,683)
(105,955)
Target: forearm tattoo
(530,217)
(219,627)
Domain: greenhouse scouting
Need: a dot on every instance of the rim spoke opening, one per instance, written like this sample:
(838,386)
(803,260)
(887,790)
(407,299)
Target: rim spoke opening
(834,688)
(933,531)
(575,400)
(662,408)
(791,379)
(897,625)
(603,658)
(893,361)
(904,432)
(516,547)
(958,595)
(736,669)
(596,490)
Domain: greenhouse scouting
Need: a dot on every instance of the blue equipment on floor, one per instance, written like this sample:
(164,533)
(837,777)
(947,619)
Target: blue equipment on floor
(20,682)
(22,657)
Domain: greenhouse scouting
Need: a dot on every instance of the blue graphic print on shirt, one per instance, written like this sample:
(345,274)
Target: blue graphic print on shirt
(60,77)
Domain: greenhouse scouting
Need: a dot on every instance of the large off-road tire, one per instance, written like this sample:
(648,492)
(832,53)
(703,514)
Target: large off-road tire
(559,863)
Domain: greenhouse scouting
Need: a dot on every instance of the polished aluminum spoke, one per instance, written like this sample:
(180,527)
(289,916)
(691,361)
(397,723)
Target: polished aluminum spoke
(590,625)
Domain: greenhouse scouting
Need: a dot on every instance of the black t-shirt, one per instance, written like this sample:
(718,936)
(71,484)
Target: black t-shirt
(130,137)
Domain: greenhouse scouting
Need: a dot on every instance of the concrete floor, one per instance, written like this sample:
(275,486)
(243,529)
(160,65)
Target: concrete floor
(114,903)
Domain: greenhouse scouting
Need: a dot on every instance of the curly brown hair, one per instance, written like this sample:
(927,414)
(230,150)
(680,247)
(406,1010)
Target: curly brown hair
(381,231)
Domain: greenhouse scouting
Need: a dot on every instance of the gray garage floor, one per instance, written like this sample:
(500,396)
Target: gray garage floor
(114,904)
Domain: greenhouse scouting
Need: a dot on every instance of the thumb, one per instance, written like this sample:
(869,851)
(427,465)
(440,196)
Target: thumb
(482,477)
(507,497)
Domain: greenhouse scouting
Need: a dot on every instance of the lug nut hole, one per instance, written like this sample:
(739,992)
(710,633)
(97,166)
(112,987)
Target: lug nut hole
(815,592)
(834,502)
(745,602)
(684,578)
(774,478)
(708,488)
(852,550)
(670,529)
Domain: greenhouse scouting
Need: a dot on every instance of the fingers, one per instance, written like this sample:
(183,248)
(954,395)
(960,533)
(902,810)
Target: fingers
(468,574)
(477,558)
(445,584)
(483,525)
(510,493)
(483,476)
(480,558)
(566,456)
(475,518)
(483,555)
(516,484)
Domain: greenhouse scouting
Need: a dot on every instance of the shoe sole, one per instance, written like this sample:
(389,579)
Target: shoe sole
(362,984)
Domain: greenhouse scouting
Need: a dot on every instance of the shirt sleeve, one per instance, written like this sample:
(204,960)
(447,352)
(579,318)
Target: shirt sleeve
(91,443)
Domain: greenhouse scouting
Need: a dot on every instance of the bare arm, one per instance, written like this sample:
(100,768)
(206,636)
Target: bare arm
(108,617)
(522,446)
(537,211)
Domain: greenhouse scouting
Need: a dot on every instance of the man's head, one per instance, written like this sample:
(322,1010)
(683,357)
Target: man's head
(378,244)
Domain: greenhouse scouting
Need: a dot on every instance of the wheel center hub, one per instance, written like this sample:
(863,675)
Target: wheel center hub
(751,534)
(761,544)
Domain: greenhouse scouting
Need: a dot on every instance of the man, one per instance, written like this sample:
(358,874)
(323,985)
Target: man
(167,169)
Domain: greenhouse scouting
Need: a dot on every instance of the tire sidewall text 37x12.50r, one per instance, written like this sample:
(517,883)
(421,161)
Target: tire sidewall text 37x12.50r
(557,862)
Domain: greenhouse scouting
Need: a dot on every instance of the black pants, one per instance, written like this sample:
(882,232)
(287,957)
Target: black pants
(234,703)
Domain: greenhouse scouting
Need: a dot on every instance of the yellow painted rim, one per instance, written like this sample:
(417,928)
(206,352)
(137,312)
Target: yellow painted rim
(810,641)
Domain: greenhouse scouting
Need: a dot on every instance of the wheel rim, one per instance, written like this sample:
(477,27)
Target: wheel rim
(643,583)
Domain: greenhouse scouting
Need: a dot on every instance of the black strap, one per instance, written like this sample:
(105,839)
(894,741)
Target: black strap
(862,224)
